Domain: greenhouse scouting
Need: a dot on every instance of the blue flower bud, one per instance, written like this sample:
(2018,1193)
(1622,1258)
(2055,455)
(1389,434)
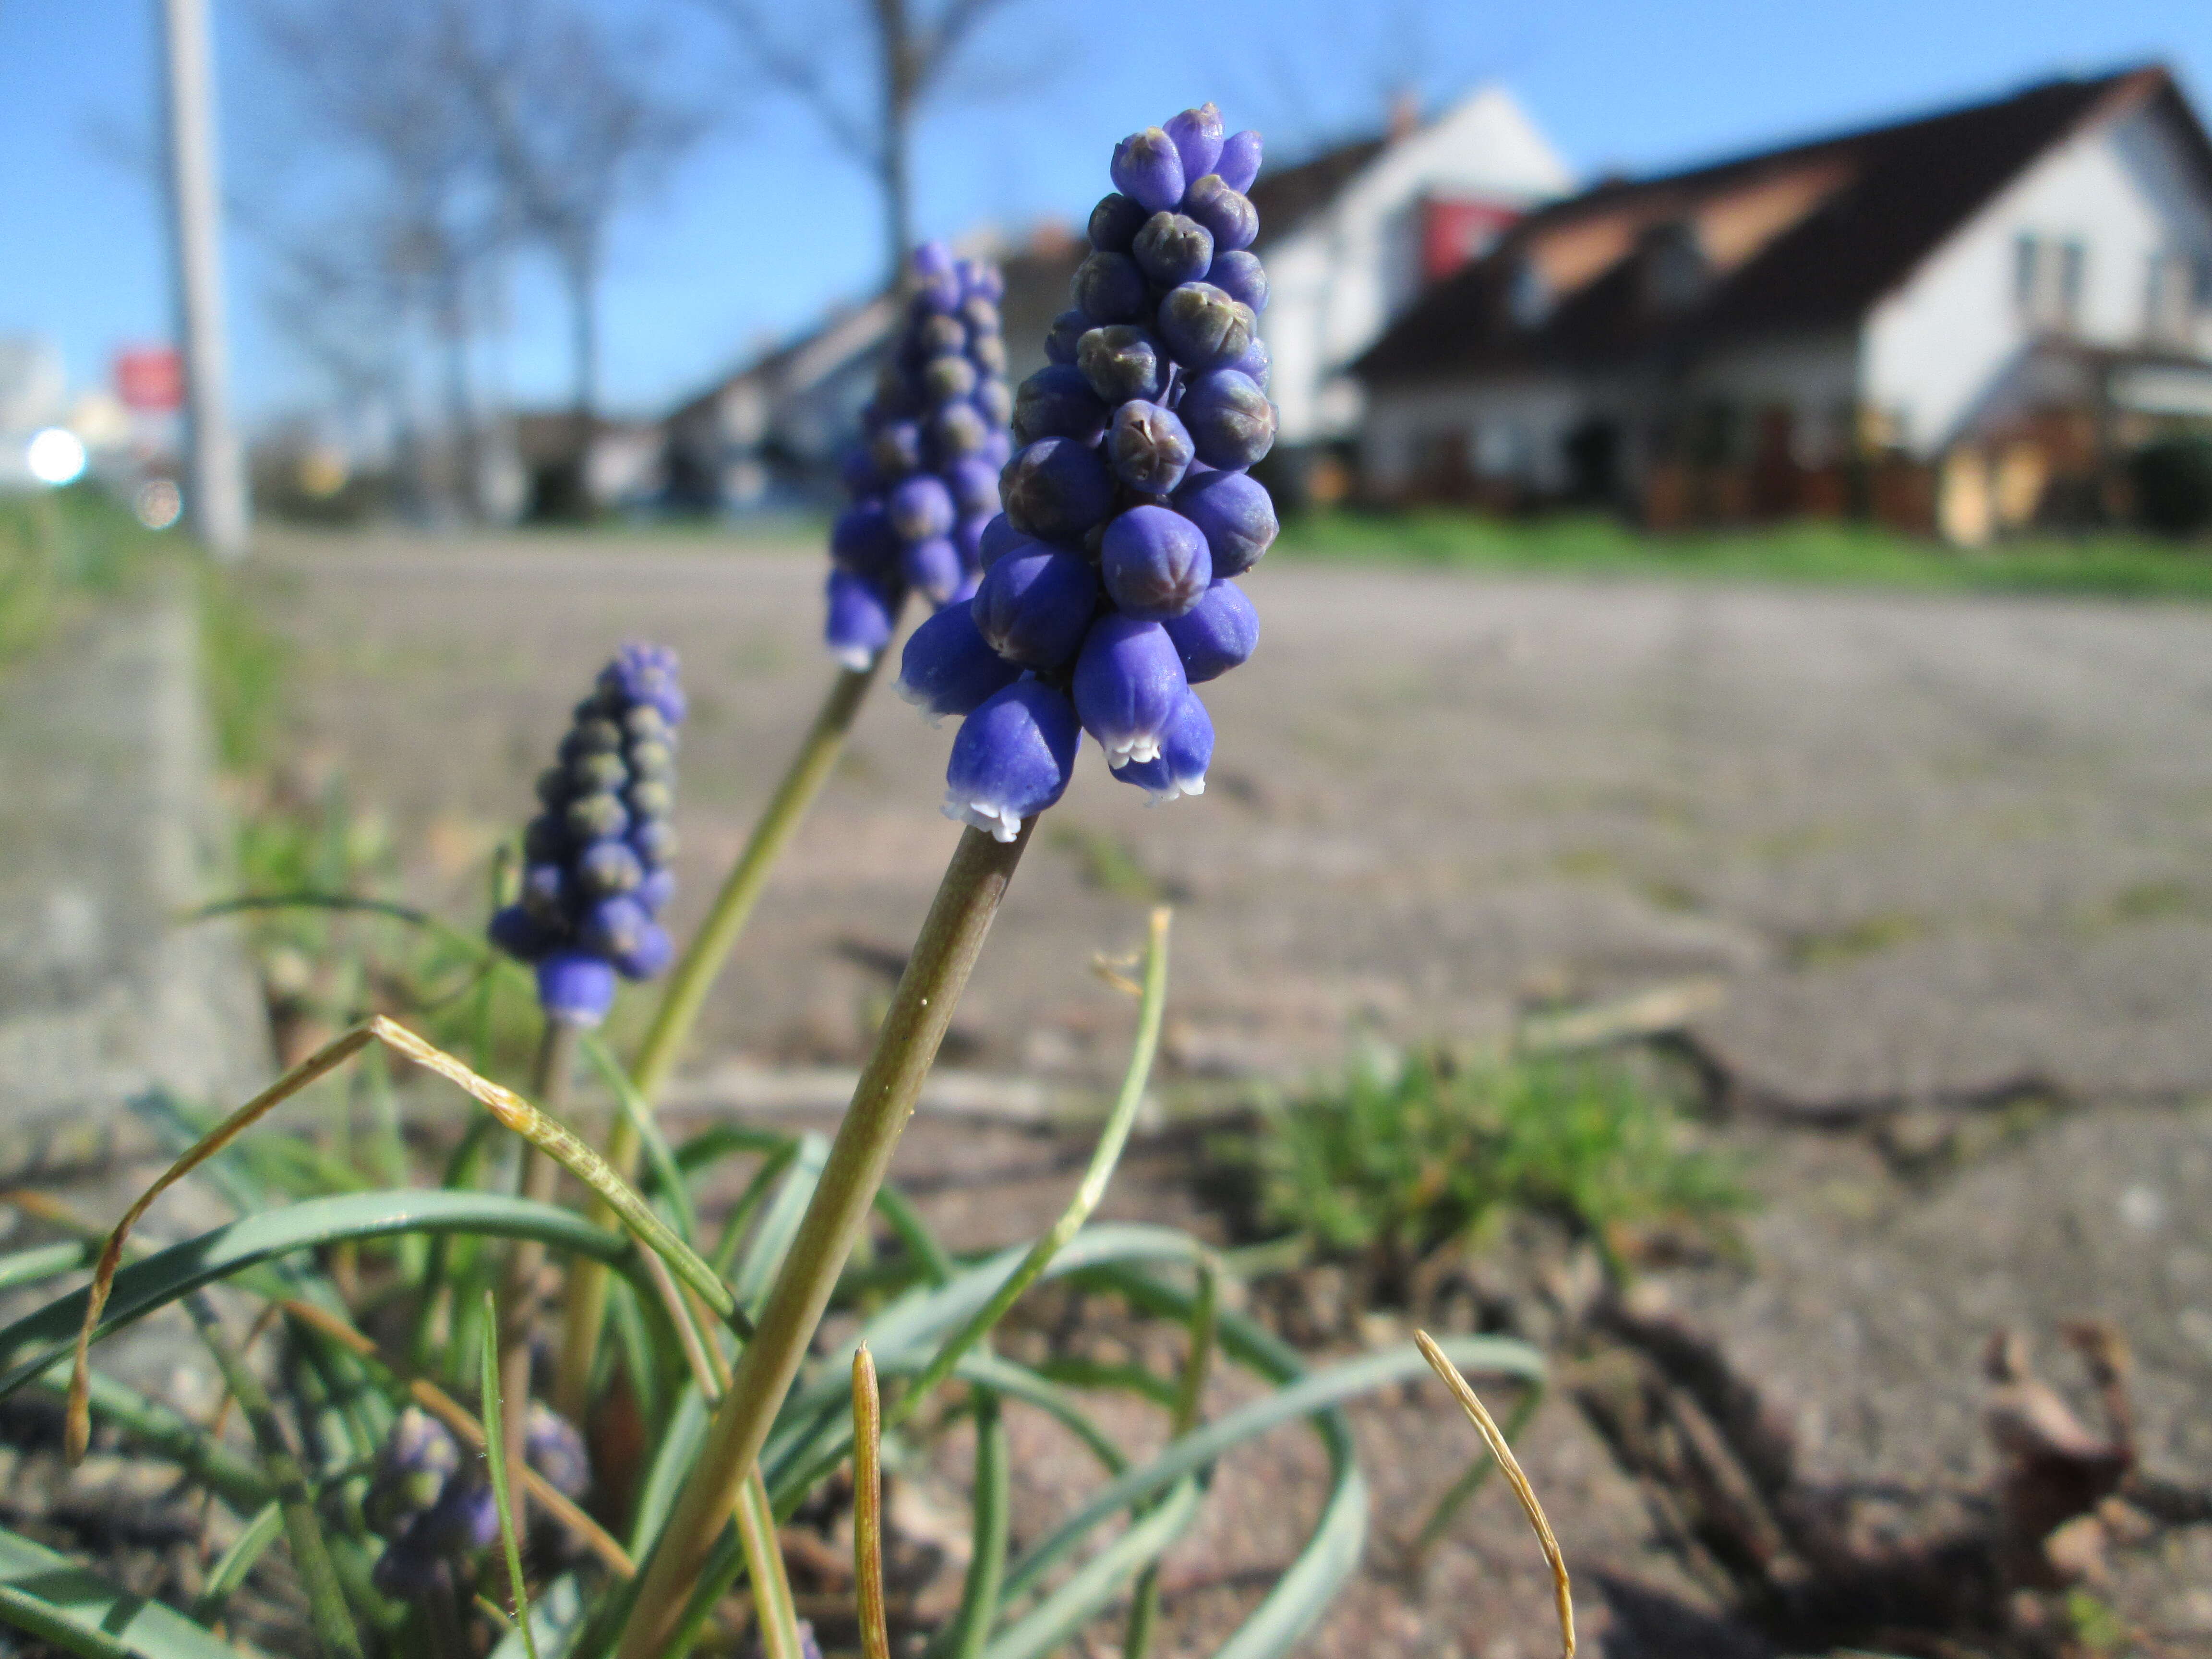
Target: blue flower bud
(520,934)
(1055,489)
(1231,422)
(856,472)
(1122,361)
(996,405)
(1036,604)
(544,840)
(1186,751)
(968,538)
(575,985)
(551,1446)
(1218,633)
(933,340)
(1147,166)
(1128,682)
(593,818)
(920,507)
(1226,212)
(959,430)
(1240,161)
(609,867)
(949,668)
(656,889)
(896,449)
(655,841)
(974,483)
(1067,329)
(1173,248)
(948,377)
(649,952)
(1203,328)
(1255,363)
(464,1520)
(936,283)
(1241,277)
(1148,447)
(646,674)
(1057,401)
(1196,135)
(860,619)
(1154,564)
(988,354)
(933,567)
(1108,288)
(985,282)
(1000,536)
(1236,515)
(649,797)
(611,928)
(999,448)
(1114,223)
(1012,759)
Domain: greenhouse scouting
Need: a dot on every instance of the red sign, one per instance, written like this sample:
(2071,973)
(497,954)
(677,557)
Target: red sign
(150,379)
(1453,232)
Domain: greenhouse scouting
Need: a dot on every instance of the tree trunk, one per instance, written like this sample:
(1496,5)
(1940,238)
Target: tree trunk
(584,337)
(900,87)
(460,401)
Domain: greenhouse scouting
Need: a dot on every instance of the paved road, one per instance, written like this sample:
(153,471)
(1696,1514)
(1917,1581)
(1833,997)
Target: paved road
(1948,855)
(1937,845)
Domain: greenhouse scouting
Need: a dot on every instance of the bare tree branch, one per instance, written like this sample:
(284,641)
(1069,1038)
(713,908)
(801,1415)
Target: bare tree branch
(871,117)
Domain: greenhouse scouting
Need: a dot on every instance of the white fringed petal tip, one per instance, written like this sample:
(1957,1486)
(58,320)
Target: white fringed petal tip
(983,815)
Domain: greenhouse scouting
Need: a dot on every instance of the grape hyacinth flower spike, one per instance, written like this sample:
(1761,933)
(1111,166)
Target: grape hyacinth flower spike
(924,479)
(1110,585)
(596,872)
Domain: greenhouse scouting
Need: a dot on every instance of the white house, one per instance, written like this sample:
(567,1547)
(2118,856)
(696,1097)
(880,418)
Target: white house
(1351,237)
(1959,322)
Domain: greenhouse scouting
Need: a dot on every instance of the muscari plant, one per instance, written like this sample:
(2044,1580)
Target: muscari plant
(687,1355)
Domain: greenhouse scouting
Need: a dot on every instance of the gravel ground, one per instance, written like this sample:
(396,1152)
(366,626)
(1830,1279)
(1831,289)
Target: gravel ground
(1937,845)
(1946,856)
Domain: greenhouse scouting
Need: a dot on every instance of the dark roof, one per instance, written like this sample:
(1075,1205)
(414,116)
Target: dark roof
(1799,240)
(1287,197)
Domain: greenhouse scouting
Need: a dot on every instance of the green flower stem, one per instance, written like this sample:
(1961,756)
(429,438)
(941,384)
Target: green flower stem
(921,1008)
(687,991)
(538,1179)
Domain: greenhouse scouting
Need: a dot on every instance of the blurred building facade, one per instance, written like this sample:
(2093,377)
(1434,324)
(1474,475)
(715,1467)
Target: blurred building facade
(1351,237)
(1960,323)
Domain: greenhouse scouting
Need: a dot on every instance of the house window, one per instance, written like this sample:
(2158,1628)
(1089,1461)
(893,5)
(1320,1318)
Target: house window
(2048,273)
(1527,296)
(2179,295)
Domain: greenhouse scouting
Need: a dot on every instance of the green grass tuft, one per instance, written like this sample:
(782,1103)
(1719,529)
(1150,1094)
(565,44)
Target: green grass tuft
(1397,1163)
(1850,555)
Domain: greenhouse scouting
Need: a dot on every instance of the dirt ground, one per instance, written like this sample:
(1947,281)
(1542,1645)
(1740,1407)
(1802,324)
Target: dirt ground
(1945,856)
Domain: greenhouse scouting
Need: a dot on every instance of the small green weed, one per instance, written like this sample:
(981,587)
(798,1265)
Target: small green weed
(57,548)
(1401,1161)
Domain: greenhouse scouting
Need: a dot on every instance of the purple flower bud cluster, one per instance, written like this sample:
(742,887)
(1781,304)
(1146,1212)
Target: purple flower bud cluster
(434,1510)
(1108,587)
(596,872)
(924,481)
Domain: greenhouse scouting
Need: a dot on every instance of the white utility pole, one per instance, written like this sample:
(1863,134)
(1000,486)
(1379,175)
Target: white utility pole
(214,481)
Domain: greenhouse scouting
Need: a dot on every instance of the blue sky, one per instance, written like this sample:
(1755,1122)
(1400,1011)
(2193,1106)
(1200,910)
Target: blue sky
(765,223)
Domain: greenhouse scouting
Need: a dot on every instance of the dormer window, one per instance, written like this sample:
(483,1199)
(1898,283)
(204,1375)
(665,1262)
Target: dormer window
(2047,276)
(1673,265)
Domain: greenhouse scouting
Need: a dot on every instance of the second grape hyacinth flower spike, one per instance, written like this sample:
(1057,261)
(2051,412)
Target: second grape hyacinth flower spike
(924,480)
(596,873)
(1109,577)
